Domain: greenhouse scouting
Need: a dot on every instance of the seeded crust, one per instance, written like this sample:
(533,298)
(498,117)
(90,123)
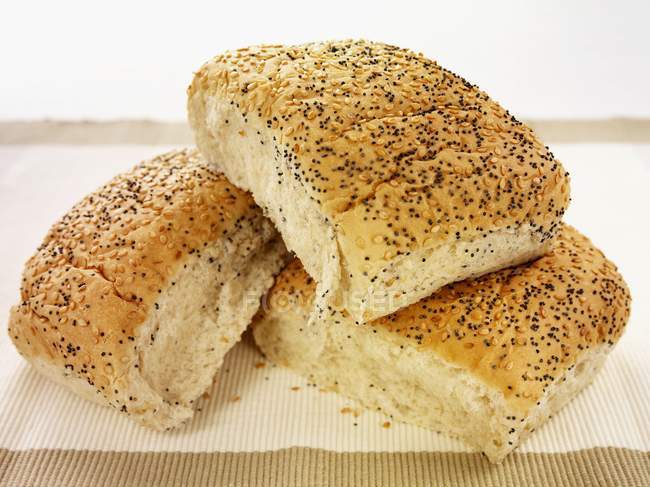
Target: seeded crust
(97,302)
(372,160)
(487,360)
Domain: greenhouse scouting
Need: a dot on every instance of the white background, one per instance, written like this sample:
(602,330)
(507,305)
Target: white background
(115,59)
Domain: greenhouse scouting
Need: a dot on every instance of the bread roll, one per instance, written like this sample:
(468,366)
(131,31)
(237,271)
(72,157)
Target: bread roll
(135,295)
(388,175)
(485,360)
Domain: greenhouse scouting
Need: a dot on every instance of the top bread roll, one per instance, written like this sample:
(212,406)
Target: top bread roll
(388,175)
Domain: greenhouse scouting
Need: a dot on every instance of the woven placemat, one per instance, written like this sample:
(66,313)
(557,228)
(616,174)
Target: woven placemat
(172,133)
(301,465)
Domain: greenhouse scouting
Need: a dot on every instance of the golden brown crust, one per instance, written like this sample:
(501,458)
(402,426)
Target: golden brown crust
(517,330)
(99,270)
(399,153)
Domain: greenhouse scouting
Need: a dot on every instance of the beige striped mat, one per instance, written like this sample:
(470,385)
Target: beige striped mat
(263,425)
(621,130)
(307,466)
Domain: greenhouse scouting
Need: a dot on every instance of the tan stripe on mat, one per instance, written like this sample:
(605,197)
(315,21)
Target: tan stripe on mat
(178,133)
(96,133)
(305,466)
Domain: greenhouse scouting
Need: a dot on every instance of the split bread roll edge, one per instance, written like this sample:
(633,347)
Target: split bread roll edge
(485,360)
(136,294)
(388,175)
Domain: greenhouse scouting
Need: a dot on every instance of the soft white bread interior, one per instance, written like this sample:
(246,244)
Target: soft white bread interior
(386,174)
(485,360)
(135,295)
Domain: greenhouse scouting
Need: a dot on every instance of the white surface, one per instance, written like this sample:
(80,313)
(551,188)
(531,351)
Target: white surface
(39,183)
(550,59)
